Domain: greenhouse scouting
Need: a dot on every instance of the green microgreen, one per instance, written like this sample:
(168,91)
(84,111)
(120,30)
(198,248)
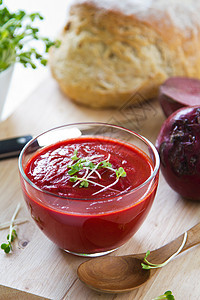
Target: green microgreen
(91,168)
(104,164)
(80,179)
(75,157)
(89,165)
(120,172)
(84,183)
(7,247)
(167,295)
(75,168)
(17,31)
(148,265)
(10,238)
(73,178)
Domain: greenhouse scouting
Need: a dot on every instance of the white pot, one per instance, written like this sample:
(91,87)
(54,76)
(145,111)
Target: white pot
(5,79)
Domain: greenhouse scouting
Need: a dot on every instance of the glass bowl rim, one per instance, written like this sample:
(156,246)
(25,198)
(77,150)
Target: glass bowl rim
(144,139)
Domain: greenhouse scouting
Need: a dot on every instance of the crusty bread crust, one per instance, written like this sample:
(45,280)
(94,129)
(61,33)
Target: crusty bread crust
(106,56)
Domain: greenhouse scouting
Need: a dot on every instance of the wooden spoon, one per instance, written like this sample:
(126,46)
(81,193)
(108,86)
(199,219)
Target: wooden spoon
(117,274)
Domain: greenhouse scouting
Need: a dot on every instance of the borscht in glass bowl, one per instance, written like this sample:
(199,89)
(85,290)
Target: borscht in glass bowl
(89,186)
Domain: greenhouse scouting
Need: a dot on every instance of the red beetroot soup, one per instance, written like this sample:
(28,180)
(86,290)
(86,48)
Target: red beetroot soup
(84,192)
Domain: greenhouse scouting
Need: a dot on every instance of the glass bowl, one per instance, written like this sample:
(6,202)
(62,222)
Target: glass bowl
(97,224)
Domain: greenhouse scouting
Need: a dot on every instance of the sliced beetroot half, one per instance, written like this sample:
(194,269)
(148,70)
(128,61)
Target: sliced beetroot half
(177,92)
(178,144)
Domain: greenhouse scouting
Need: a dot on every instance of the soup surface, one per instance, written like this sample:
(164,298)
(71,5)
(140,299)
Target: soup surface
(88,168)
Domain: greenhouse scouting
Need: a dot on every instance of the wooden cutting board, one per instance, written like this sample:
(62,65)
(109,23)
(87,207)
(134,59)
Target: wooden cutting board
(38,269)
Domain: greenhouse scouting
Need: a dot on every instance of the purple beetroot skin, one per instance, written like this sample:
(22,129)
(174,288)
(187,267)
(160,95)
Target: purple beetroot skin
(177,92)
(178,144)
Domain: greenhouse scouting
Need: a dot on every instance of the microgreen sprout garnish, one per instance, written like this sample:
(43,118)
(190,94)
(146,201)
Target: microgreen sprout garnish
(105,164)
(167,295)
(75,157)
(16,222)
(120,173)
(91,168)
(10,238)
(7,247)
(149,265)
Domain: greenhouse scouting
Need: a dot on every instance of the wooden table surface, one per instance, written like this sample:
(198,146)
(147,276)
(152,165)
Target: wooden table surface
(38,269)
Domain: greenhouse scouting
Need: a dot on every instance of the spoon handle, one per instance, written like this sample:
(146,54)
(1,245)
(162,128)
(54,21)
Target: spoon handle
(193,237)
(163,253)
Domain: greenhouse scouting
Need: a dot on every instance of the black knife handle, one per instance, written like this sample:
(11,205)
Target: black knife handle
(13,146)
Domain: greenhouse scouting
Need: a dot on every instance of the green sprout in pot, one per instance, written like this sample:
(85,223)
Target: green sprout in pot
(16,32)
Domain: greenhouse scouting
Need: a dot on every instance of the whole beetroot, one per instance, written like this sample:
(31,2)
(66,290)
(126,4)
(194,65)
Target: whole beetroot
(178,144)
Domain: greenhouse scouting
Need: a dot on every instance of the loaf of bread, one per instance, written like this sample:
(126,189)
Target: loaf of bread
(111,50)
